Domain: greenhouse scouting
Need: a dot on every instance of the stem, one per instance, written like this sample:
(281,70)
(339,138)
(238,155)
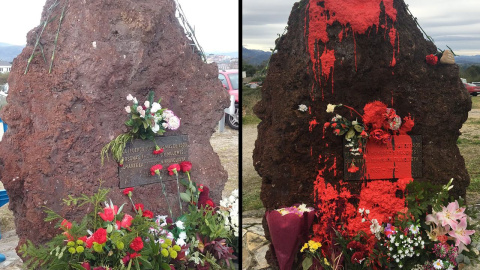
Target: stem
(56,37)
(178,193)
(39,36)
(133,205)
(352,109)
(165,194)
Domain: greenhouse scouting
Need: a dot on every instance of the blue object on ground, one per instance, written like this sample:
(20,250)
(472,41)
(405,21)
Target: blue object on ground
(3,197)
(2,258)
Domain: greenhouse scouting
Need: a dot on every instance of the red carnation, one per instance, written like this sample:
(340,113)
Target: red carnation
(154,168)
(136,244)
(108,213)
(353,169)
(100,236)
(127,191)
(147,214)
(83,238)
(66,225)
(432,59)
(157,150)
(407,126)
(204,199)
(200,188)
(139,206)
(173,169)
(185,166)
(126,221)
(374,114)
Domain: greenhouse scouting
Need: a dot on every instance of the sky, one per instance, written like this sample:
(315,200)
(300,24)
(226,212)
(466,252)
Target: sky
(453,23)
(215,22)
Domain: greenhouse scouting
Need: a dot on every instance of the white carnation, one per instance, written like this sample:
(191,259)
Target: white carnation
(156,128)
(155,107)
(331,108)
(147,103)
(179,224)
(128,110)
(129,97)
(173,122)
(302,107)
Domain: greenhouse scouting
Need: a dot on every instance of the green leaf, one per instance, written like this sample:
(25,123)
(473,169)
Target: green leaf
(145,125)
(145,262)
(307,263)
(135,116)
(185,197)
(350,134)
(129,122)
(165,266)
(358,128)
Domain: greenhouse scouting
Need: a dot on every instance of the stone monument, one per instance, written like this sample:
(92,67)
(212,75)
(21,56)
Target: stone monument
(60,115)
(354,53)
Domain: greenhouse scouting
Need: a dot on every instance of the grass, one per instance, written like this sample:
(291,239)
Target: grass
(475,102)
(469,145)
(250,97)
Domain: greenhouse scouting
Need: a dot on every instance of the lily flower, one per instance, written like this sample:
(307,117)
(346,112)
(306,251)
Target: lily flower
(450,214)
(461,234)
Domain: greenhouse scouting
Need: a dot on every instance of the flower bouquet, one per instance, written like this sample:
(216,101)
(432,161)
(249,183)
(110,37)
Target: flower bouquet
(288,229)
(144,122)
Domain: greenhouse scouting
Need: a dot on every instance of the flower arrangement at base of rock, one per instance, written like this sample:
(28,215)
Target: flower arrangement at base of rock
(109,238)
(412,239)
(145,121)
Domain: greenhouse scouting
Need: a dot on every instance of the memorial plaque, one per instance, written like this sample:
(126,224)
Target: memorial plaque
(399,158)
(138,158)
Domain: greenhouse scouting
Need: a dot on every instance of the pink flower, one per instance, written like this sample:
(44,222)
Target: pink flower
(450,214)
(461,234)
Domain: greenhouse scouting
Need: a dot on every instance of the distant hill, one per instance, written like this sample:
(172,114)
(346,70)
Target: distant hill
(254,57)
(468,60)
(8,52)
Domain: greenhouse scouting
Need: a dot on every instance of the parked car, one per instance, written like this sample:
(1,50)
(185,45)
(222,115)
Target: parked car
(230,82)
(473,89)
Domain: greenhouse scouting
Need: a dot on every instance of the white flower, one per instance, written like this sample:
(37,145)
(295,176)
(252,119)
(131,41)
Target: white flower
(155,128)
(129,97)
(232,199)
(182,235)
(401,236)
(331,108)
(354,122)
(167,114)
(135,100)
(303,207)
(367,211)
(179,224)
(147,103)
(141,111)
(302,107)
(363,220)
(450,267)
(438,264)
(128,109)
(235,193)
(414,229)
(165,125)
(155,107)
(173,122)
(180,242)
(361,210)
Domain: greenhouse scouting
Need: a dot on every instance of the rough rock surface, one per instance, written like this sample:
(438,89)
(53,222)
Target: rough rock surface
(352,62)
(59,122)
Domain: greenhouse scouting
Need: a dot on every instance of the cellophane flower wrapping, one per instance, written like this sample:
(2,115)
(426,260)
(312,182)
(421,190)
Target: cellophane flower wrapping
(289,227)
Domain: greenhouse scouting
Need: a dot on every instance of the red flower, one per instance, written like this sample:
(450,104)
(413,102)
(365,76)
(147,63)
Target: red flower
(358,257)
(337,131)
(210,203)
(139,206)
(432,59)
(185,166)
(108,213)
(128,190)
(68,236)
(154,168)
(200,188)
(157,150)
(100,236)
(89,241)
(147,214)
(334,125)
(126,221)
(327,124)
(353,169)
(374,114)
(364,134)
(386,138)
(136,244)
(129,256)
(377,134)
(86,265)
(173,169)
(442,238)
(66,225)
(83,238)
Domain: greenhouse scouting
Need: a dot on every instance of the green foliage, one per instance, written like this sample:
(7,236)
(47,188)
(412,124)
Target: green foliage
(471,73)
(116,147)
(4,78)
(205,222)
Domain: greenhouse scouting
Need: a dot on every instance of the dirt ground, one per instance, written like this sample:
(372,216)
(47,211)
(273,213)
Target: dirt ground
(225,145)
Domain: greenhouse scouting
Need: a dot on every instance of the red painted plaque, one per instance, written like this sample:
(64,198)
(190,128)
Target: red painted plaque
(399,158)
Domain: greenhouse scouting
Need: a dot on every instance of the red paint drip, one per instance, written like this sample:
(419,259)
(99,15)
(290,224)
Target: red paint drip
(313,123)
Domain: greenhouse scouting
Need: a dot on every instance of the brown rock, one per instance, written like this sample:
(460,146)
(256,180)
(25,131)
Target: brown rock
(447,58)
(339,64)
(59,121)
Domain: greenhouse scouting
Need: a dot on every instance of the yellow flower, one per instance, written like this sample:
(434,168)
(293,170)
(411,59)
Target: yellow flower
(79,242)
(313,246)
(79,249)
(173,254)
(304,247)
(325,261)
(177,248)
(164,253)
(72,250)
(71,244)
